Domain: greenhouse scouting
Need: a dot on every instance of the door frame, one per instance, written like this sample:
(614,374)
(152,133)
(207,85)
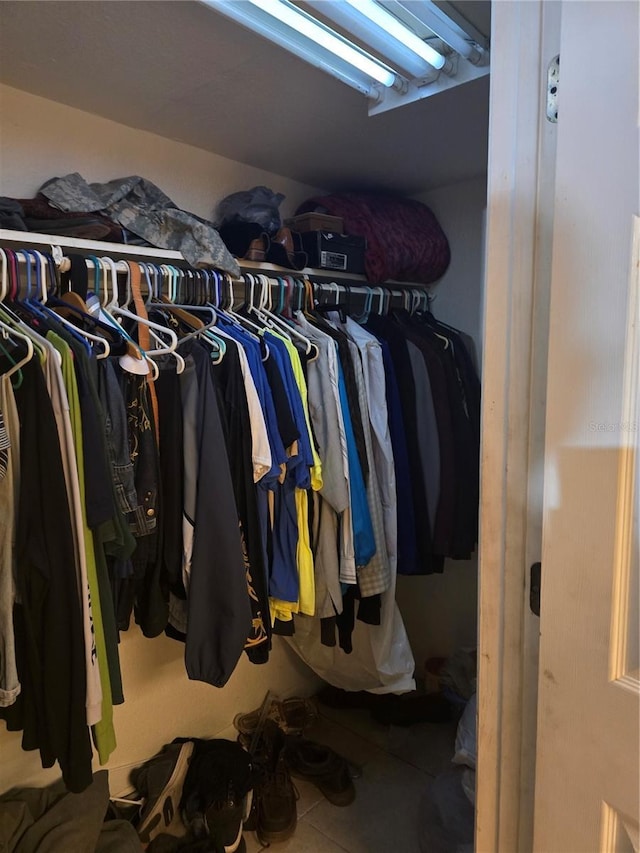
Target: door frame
(517,283)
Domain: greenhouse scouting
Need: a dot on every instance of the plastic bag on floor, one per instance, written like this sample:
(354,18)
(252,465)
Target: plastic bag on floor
(458,675)
(469,784)
(466,737)
(446,822)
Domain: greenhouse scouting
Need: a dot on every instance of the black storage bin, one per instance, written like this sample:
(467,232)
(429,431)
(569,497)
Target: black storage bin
(329,251)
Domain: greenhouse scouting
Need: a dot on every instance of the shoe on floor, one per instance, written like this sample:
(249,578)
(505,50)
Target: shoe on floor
(321,765)
(274,792)
(160,782)
(224,823)
(293,716)
(277,811)
(216,793)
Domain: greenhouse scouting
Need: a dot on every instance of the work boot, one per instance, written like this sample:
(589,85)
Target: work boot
(276,796)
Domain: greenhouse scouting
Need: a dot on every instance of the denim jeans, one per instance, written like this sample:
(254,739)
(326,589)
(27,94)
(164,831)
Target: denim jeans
(143,453)
(117,437)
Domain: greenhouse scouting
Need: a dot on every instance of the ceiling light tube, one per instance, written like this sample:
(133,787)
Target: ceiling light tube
(323,36)
(268,27)
(396,30)
(362,28)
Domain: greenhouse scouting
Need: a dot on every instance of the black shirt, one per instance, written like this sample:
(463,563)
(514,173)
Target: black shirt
(49,628)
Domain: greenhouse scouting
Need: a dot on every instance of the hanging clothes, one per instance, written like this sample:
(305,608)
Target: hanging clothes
(420,411)
(221,482)
(51,707)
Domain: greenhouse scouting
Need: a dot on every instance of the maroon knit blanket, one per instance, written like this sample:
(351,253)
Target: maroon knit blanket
(404,239)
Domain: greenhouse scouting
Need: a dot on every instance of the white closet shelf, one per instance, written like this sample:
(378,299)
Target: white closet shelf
(123,250)
(93,246)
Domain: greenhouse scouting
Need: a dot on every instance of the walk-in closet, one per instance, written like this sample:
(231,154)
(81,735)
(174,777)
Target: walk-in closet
(202,108)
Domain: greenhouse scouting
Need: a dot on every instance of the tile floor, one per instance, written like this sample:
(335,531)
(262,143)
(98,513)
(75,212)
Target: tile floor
(397,764)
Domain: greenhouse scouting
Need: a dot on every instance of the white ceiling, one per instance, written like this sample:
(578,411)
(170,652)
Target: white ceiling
(180,70)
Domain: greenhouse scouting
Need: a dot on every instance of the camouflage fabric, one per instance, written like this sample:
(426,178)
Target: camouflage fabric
(140,206)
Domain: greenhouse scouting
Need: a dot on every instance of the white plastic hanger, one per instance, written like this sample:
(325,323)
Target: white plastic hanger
(3,279)
(148,270)
(128,362)
(276,322)
(244,321)
(11,320)
(115,309)
(42,277)
(7,331)
(380,291)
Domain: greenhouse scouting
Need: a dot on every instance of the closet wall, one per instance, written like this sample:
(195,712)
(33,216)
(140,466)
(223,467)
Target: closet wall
(40,138)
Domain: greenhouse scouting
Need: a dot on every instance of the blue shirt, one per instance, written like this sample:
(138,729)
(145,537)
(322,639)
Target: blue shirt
(305,457)
(254,359)
(363,539)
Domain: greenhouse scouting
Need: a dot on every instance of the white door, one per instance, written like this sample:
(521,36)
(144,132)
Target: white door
(587,767)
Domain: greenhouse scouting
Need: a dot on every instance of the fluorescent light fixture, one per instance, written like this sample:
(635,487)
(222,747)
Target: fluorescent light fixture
(405,67)
(396,30)
(323,36)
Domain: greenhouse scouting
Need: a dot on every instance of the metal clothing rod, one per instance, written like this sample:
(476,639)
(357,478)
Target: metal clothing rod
(329,289)
(372,291)
(55,244)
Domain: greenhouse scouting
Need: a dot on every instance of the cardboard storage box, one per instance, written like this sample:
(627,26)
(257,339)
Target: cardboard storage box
(315,222)
(330,251)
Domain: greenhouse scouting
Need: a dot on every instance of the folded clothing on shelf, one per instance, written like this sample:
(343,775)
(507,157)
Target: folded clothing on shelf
(36,214)
(141,207)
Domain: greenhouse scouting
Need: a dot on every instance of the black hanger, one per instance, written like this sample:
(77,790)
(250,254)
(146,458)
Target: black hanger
(341,307)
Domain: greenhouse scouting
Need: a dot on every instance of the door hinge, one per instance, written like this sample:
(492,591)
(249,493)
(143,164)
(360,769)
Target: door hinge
(534,588)
(553,81)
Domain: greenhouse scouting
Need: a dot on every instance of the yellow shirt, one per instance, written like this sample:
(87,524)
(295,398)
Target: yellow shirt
(306,603)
